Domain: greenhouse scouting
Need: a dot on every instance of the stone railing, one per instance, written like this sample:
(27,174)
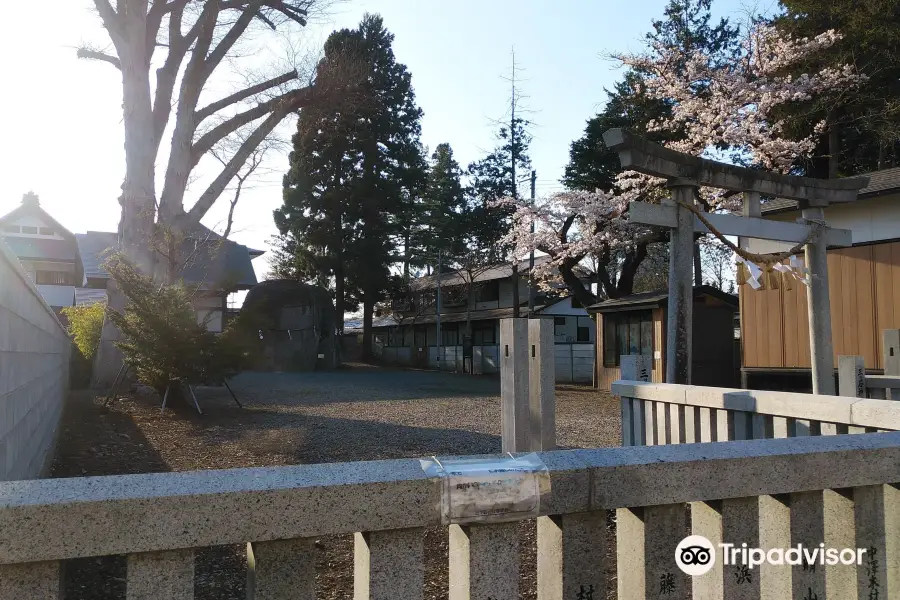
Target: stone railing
(658,413)
(767,493)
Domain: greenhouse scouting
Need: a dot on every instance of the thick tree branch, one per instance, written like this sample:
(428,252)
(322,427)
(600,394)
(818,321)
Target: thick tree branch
(218,105)
(167,74)
(97,55)
(230,38)
(292,100)
(109,16)
(231,169)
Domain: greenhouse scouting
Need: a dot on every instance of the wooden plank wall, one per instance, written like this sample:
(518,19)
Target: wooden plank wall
(864,287)
(606,375)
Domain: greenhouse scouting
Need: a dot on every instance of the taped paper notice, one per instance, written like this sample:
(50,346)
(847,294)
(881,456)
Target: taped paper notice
(489,490)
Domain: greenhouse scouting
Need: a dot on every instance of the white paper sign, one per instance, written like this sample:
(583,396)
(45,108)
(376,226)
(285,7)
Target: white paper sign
(491,490)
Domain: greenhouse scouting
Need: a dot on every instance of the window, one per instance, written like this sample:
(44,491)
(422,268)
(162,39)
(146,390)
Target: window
(584,334)
(449,335)
(421,337)
(27,229)
(53,278)
(483,334)
(489,291)
(559,322)
(626,333)
(46,231)
(11,228)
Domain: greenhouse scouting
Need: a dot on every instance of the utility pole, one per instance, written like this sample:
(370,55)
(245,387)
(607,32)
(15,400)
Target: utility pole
(531,255)
(437,312)
(513,154)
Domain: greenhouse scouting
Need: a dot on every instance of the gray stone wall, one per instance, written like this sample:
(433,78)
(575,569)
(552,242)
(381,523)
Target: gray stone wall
(34,373)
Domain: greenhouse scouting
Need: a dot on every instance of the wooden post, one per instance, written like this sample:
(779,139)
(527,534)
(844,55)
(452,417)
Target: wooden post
(819,308)
(852,376)
(681,289)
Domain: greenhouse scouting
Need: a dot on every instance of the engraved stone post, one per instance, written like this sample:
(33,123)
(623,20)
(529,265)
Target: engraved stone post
(514,404)
(541,385)
(891,358)
(634,367)
(852,376)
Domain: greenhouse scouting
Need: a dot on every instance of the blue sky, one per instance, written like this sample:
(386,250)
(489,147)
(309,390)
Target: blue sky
(62,133)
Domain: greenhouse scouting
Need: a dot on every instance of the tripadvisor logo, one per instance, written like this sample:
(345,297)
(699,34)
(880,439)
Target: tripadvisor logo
(695,555)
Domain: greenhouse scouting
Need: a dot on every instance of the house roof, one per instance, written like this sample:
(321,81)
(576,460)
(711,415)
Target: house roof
(880,182)
(487,273)
(84,296)
(37,248)
(42,249)
(92,245)
(645,300)
(213,261)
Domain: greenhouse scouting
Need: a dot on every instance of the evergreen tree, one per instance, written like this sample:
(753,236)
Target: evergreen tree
(441,219)
(491,179)
(356,171)
(864,123)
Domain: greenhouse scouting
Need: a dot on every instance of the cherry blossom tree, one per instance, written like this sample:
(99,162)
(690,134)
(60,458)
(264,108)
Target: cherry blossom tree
(723,107)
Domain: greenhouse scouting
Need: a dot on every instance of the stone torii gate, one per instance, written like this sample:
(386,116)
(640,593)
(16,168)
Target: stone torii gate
(686,173)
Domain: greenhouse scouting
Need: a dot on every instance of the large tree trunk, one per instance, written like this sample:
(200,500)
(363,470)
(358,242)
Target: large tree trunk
(138,199)
(515,289)
(834,151)
(368,310)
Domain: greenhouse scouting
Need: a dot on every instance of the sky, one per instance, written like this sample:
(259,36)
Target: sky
(62,130)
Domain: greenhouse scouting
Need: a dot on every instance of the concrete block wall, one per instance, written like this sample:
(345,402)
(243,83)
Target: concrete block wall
(34,373)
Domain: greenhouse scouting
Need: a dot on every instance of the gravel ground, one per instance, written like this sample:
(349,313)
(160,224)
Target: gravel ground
(362,413)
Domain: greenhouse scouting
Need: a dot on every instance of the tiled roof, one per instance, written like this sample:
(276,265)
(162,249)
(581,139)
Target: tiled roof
(885,180)
(212,263)
(658,298)
(92,245)
(89,296)
(40,248)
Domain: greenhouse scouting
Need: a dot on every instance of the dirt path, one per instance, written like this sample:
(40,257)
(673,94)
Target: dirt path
(357,414)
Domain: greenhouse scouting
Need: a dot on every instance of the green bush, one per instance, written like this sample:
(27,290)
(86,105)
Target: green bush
(161,338)
(85,325)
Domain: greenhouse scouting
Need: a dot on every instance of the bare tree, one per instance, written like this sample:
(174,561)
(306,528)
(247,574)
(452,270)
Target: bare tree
(197,35)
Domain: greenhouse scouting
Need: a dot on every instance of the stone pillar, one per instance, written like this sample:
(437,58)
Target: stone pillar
(630,554)
(891,358)
(37,581)
(877,513)
(760,522)
(388,564)
(823,517)
(707,521)
(570,559)
(281,569)
(153,575)
(852,376)
(819,309)
(514,396)
(542,385)
(664,527)
(634,367)
(484,561)
(679,316)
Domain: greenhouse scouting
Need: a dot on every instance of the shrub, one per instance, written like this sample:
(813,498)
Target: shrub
(85,325)
(161,338)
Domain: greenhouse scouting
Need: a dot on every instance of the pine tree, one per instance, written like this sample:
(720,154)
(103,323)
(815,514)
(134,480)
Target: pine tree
(356,172)
(491,179)
(864,123)
(440,227)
